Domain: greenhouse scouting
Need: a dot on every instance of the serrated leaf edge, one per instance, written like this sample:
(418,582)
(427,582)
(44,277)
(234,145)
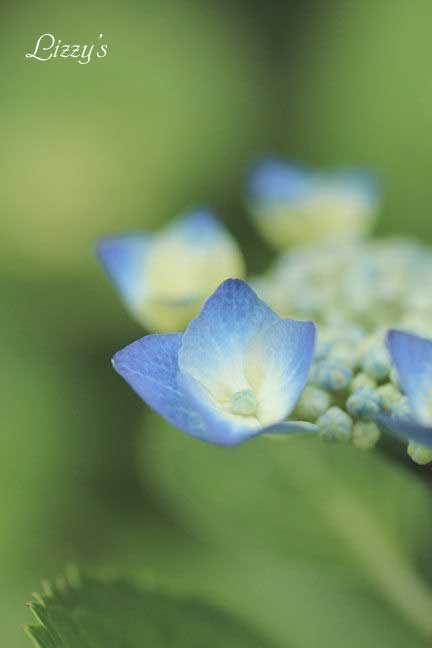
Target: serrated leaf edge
(58,591)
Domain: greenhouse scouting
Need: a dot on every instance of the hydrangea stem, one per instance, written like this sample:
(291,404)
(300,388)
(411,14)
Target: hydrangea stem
(385,563)
(387,566)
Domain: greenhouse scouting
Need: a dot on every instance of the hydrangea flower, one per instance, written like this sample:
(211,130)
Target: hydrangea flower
(236,372)
(164,278)
(354,288)
(355,291)
(294,204)
(374,284)
(412,357)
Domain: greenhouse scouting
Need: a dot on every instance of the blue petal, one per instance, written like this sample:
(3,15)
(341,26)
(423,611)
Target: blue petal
(294,428)
(238,343)
(125,256)
(277,366)
(124,259)
(278,181)
(285,182)
(165,277)
(198,228)
(412,356)
(214,342)
(407,430)
(150,367)
(222,428)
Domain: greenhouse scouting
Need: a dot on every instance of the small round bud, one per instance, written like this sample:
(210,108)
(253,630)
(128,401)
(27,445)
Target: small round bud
(344,354)
(394,377)
(331,375)
(389,395)
(323,348)
(376,363)
(361,380)
(335,425)
(365,435)
(419,454)
(364,403)
(312,403)
(401,409)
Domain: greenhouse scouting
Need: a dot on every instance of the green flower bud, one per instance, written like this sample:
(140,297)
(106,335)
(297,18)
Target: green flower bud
(419,454)
(243,403)
(361,380)
(312,404)
(344,354)
(376,363)
(335,425)
(331,375)
(323,348)
(364,403)
(389,395)
(401,408)
(394,377)
(365,434)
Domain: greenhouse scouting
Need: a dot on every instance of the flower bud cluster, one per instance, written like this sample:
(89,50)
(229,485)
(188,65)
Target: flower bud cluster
(355,292)
(371,284)
(347,390)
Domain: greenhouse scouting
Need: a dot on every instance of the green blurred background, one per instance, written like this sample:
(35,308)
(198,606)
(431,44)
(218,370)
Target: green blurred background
(189,95)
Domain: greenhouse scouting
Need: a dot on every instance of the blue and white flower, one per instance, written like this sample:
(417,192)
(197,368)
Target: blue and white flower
(412,357)
(164,278)
(236,372)
(293,204)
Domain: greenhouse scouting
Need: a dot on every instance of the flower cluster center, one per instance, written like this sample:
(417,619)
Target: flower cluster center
(243,403)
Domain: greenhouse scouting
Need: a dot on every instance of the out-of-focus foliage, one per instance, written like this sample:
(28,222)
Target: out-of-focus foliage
(98,148)
(302,531)
(188,96)
(110,615)
(359,91)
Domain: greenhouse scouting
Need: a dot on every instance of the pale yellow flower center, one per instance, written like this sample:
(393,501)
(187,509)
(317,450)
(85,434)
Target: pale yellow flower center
(243,403)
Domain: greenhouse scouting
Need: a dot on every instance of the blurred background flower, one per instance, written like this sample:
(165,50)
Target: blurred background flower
(165,277)
(292,204)
(188,97)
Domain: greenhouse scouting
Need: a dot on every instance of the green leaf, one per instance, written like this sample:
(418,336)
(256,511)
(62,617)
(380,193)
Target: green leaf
(299,530)
(83,612)
(357,86)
